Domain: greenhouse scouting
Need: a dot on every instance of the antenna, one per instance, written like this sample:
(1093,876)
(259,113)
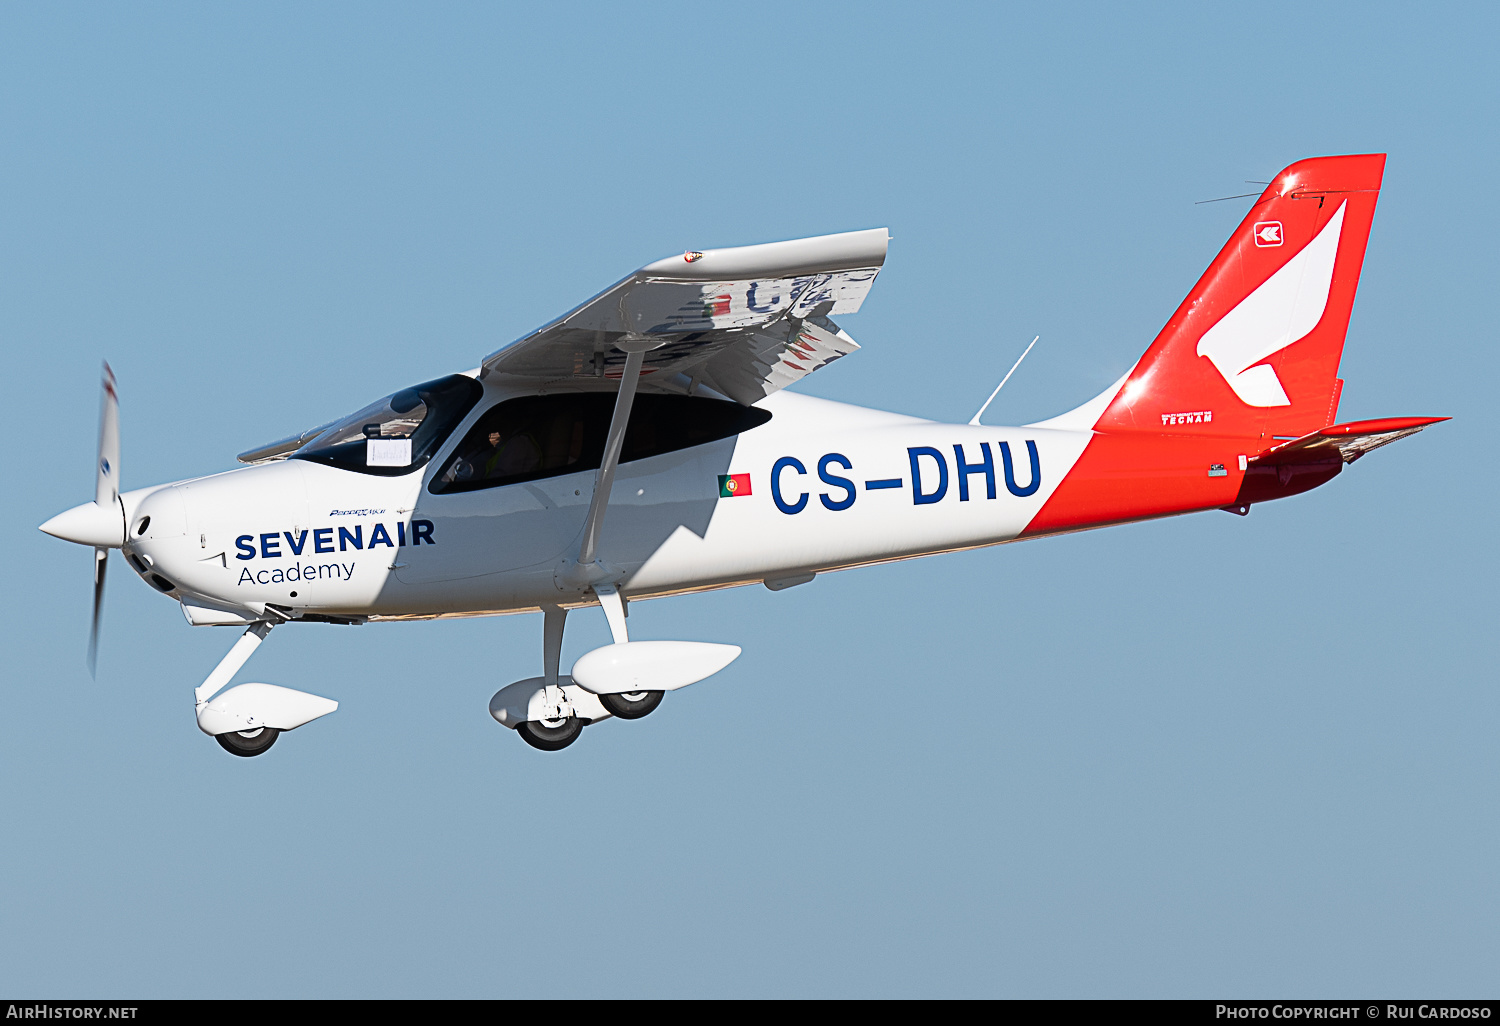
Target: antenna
(1221,199)
(1002,383)
(1243,195)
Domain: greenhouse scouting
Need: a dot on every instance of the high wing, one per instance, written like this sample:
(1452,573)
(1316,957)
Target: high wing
(744,321)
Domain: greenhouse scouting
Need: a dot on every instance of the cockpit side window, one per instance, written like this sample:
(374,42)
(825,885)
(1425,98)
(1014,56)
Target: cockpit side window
(398,434)
(538,436)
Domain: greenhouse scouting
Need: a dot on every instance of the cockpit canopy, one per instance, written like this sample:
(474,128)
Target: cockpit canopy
(536,436)
(519,439)
(398,434)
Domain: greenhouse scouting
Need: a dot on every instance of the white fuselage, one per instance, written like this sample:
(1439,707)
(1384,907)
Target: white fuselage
(831,486)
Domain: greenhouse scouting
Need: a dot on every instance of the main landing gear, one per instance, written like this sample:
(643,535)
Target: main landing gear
(556,734)
(626,680)
(550,712)
(632,705)
(560,723)
(557,713)
(628,705)
(248,743)
(551,735)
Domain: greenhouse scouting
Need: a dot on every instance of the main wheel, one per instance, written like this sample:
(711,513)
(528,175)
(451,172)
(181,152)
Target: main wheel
(551,735)
(248,742)
(632,705)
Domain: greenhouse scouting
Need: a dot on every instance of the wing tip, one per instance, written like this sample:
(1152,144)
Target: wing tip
(838,252)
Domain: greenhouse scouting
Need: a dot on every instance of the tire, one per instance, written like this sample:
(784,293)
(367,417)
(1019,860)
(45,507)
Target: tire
(633,704)
(550,735)
(248,743)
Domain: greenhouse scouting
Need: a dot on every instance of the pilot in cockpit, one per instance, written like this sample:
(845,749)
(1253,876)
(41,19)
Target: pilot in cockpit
(517,454)
(500,458)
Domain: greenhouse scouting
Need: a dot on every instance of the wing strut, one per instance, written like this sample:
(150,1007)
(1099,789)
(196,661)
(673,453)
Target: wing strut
(613,444)
(590,569)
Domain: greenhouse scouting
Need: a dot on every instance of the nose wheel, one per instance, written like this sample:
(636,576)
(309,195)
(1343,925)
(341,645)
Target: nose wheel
(632,705)
(248,743)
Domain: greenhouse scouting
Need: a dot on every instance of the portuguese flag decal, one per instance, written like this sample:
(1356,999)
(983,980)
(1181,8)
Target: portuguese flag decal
(733,485)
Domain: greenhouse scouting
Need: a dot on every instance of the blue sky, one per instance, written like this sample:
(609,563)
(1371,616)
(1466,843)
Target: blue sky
(1198,757)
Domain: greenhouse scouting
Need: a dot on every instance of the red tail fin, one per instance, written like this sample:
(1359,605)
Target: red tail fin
(1253,351)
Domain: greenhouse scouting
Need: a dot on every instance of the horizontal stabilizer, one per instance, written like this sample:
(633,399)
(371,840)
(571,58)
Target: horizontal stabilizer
(1346,442)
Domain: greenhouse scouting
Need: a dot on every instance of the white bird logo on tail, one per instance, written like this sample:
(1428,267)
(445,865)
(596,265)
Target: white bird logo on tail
(1284,309)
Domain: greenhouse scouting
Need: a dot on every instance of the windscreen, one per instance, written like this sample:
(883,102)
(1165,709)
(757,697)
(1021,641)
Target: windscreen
(398,434)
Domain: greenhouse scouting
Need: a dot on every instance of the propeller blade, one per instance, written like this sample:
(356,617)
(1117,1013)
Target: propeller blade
(107,483)
(101,561)
(106,494)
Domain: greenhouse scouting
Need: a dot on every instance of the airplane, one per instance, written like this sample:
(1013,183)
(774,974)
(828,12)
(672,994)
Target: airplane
(644,445)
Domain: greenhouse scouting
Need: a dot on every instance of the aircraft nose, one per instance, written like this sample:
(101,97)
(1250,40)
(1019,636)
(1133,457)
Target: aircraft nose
(90,524)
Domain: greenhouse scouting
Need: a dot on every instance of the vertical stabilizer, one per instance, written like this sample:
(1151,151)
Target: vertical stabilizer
(1253,351)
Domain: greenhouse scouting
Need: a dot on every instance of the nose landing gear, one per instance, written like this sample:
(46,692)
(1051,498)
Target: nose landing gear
(246,720)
